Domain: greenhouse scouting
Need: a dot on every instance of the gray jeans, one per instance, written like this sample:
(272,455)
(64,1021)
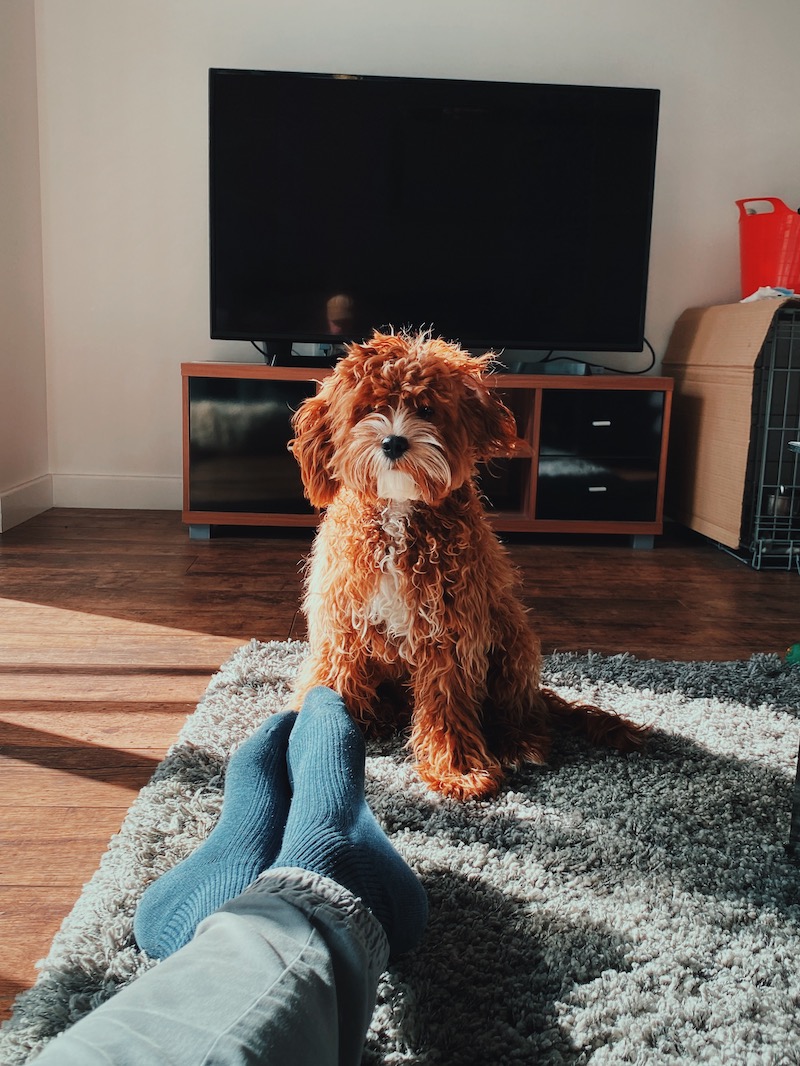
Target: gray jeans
(285,973)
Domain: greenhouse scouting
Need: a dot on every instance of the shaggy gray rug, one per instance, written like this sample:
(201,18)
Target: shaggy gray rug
(605,909)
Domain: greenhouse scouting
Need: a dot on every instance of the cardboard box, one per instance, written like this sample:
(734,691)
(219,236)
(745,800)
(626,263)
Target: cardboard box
(712,356)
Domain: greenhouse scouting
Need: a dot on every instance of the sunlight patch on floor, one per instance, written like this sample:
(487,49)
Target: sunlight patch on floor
(28,639)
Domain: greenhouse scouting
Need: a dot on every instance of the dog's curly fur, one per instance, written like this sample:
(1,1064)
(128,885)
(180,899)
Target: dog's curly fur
(407,583)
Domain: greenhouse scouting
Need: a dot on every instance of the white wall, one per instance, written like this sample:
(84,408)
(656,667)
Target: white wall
(123,137)
(25,487)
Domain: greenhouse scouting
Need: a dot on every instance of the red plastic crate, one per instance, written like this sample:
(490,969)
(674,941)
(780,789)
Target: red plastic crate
(769,244)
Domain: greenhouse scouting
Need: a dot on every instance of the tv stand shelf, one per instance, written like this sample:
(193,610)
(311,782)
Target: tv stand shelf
(594,459)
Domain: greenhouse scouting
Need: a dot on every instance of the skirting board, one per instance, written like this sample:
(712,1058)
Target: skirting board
(25,501)
(117,491)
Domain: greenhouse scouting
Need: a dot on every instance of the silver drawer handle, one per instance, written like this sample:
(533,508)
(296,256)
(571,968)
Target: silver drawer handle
(598,488)
(602,422)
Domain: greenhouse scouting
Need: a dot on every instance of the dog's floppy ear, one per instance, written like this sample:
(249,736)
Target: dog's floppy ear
(492,426)
(313,450)
(497,435)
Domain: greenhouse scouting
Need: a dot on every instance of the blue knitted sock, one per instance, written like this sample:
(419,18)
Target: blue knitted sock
(242,844)
(332,831)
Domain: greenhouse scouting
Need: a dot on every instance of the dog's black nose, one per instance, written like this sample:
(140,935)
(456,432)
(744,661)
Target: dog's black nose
(394,446)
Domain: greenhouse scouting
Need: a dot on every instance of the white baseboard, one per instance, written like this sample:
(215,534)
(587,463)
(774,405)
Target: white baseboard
(22,502)
(118,491)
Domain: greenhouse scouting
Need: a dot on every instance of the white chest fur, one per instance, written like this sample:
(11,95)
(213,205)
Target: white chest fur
(390,607)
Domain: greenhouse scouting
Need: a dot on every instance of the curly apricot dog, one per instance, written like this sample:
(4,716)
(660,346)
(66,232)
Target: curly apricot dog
(407,584)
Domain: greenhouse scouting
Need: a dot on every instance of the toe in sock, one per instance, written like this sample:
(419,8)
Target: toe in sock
(331,829)
(244,842)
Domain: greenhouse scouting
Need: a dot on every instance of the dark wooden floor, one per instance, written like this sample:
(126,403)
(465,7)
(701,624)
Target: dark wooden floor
(111,623)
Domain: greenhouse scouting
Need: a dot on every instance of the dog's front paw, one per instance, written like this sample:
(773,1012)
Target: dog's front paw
(475,785)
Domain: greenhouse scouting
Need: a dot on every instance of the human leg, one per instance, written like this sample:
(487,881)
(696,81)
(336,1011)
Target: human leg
(285,973)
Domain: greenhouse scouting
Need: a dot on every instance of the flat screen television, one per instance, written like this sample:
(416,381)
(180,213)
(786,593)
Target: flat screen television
(500,214)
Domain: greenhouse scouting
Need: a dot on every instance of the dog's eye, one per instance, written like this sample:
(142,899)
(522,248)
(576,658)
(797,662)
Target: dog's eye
(425,412)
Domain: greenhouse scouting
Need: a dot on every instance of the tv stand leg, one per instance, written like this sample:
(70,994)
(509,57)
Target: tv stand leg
(198,532)
(643,541)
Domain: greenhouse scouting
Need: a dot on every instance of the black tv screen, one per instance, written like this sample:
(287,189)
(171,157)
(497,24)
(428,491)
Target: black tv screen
(500,214)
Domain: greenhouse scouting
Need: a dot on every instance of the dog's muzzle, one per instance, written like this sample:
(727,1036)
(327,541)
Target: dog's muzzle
(394,446)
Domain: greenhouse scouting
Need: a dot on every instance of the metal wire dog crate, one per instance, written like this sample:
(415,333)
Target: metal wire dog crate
(771,515)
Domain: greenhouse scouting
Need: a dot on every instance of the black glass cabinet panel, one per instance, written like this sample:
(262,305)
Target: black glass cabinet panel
(238,455)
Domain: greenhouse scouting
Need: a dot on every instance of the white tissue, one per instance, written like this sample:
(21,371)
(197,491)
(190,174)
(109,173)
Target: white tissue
(767,292)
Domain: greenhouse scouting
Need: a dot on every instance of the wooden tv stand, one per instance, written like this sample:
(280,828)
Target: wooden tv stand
(593,460)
